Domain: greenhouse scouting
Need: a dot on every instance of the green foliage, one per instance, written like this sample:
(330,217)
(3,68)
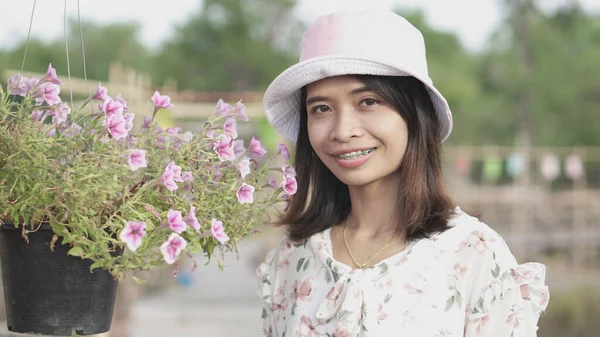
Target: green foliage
(230,45)
(572,312)
(79,182)
(104,45)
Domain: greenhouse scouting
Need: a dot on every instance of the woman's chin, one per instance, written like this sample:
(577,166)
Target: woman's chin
(356,179)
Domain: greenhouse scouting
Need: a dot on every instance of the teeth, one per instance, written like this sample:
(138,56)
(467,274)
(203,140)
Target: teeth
(355,154)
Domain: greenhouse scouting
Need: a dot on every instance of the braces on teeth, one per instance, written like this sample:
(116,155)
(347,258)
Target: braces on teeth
(355,154)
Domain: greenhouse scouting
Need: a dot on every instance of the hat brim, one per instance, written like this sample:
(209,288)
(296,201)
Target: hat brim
(282,98)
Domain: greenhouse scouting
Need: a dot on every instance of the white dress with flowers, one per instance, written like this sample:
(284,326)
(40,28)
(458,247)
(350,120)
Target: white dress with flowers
(463,282)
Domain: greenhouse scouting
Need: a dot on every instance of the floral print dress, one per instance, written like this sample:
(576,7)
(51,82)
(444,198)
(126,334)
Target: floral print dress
(462,282)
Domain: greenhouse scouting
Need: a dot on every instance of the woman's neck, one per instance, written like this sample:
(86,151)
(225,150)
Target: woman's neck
(374,209)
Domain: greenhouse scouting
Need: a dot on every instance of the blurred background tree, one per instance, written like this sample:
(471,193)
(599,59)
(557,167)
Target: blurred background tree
(231,45)
(535,82)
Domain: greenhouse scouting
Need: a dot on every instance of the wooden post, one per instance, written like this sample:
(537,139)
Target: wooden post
(579,217)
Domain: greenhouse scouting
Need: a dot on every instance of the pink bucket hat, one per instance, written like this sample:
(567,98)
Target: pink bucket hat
(373,42)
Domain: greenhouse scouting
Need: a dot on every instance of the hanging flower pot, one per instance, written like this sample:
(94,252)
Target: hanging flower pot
(50,292)
(103,186)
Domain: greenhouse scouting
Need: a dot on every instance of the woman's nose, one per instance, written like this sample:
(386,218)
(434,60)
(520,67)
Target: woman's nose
(346,126)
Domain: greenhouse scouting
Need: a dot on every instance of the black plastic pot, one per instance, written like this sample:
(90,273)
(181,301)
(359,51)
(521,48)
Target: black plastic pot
(52,293)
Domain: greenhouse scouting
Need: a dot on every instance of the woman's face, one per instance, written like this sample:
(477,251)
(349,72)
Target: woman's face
(356,134)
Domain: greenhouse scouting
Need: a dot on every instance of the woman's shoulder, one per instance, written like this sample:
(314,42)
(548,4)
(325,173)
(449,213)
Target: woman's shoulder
(471,239)
(462,225)
(281,261)
(472,244)
(285,250)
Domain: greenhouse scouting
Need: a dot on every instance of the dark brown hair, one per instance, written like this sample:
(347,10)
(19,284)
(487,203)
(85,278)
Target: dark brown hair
(424,207)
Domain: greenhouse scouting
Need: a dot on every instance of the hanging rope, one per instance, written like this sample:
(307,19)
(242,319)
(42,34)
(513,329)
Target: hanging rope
(67,47)
(83,55)
(27,41)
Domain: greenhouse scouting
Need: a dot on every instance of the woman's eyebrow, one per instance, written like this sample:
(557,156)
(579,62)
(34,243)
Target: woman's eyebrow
(315,99)
(360,90)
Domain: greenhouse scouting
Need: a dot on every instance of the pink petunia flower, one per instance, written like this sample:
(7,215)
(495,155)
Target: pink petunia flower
(111,107)
(61,113)
(271,181)
(72,130)
(224,148)
(172,167)
(173,130)
(128,121)
(217,231)
(175,221)
(283,150)
(137,159)
(36,115)
(187,176)
(171,248)
(288,171)
(191,219)
(238,147)
(123,102)
(245,194)
(117,126)
(167,180)
(17,85)
(51,76)
(289,185)
(132,234)
(255,148)
(101,93)
(230,128)
(47,92)
(131,141)
(147,122)
(243,167)
(240,111)
(171,175)
(161,101)
(222,108)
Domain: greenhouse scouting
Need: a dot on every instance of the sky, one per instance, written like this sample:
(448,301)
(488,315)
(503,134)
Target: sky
(471,20)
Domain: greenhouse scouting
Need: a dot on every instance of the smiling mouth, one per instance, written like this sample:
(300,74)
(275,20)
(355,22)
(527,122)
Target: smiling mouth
(356,154)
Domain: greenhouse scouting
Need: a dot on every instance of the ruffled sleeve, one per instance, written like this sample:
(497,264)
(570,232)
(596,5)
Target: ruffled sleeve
(507,298)
(265,273)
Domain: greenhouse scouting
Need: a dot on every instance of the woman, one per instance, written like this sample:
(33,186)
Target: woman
(375,246)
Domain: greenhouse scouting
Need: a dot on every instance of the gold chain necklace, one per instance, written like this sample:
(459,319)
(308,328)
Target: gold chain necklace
(363,265)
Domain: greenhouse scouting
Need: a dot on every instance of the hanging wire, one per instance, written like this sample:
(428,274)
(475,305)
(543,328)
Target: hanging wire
(83,54)
(27,41)
(67,47)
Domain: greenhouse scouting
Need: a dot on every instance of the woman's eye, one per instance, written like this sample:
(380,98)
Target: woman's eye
(369,102)
(319,109)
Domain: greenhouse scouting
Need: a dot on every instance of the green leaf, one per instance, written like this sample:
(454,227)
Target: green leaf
(459,298)
(306,264)
(294,309)
(336,277)
(387,298)
(76,251)
(299,264)
(264,313)
(496,271)
(97,264)
(449,303)
(327,276)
